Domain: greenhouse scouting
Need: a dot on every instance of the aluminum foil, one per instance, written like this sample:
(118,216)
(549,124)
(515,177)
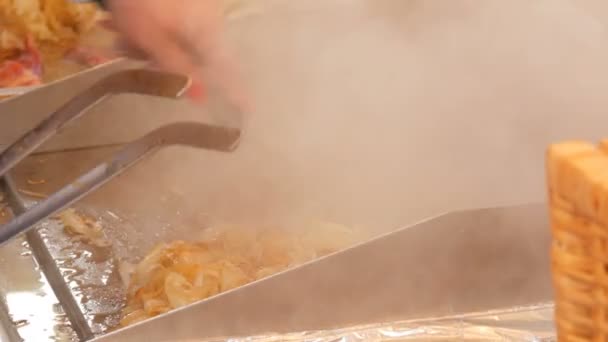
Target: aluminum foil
(531,323)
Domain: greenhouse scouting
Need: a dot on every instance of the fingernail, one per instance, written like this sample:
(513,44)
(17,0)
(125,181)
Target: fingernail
(196,92)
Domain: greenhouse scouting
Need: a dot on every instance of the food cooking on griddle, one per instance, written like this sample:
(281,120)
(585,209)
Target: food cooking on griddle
(224,257)
(180,273)
(83,228)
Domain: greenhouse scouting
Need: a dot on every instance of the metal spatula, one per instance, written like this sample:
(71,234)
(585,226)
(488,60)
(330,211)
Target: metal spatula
(29,106)
(117,120)
(139,81)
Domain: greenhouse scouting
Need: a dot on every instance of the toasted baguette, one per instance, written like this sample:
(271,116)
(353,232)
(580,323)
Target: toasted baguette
(577,175)
(578,179)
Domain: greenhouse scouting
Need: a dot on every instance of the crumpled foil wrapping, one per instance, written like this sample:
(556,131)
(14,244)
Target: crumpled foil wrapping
(530,323)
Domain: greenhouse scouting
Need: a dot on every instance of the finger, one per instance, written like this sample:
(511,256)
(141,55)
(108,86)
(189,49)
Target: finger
(124,48)
(169,53)
(152,37)
(175,58)
(196,92)
(222,73)
(108,24)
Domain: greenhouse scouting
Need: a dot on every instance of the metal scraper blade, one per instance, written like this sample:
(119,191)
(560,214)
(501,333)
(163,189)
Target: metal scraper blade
(20,113)
(117,120)
(181,133)
(460,262)
(140,81)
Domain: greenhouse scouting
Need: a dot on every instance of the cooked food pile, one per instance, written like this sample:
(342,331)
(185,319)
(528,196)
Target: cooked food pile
(34,33)
(224,257)
(179,273)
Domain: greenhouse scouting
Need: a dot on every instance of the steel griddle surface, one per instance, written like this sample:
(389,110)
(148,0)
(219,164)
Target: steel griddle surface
(337,82)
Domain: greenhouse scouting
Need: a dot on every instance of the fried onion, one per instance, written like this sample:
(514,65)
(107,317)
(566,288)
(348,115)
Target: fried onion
(179,273)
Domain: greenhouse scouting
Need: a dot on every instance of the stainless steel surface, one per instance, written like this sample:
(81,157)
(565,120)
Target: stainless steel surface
(16,90)
(47,265)
(348,127)
(186,134)
(137,114)
(25,111)
(189,134)
(456,263)
(142,81)
(132,81)
(33,312)
(524,324)
(8,331)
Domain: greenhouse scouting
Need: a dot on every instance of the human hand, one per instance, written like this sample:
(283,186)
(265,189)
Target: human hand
(181,36)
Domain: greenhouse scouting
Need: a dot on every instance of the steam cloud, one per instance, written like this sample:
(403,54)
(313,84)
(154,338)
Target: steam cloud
(383,112)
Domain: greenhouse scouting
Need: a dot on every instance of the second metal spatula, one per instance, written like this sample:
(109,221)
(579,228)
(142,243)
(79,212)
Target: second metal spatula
(118,119)
(140,81)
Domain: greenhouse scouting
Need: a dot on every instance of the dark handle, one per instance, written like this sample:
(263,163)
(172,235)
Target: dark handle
(101,3)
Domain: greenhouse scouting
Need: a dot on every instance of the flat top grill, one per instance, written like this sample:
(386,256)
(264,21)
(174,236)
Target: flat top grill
(75,271)
(366,115)
(81,284)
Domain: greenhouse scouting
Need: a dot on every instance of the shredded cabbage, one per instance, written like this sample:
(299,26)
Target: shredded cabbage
(83,228)
(180,273)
